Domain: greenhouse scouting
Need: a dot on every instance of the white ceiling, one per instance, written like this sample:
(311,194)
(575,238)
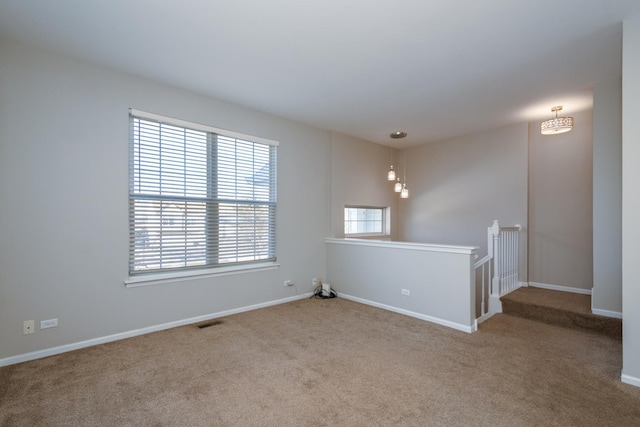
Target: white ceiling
(434,69)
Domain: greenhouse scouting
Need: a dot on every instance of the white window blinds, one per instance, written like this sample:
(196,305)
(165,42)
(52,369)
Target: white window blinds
(198,197)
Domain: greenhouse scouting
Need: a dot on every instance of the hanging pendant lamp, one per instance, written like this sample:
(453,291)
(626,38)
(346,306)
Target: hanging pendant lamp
(391,175)
(404,192)
(557,125)
(398,187)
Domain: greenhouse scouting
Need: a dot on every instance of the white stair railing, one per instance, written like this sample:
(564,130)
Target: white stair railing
(501,265)
(484,276)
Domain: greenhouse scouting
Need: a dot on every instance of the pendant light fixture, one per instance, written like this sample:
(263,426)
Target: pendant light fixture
(398,187)
(556,125)
(404,194)
(391,175)
(404,191)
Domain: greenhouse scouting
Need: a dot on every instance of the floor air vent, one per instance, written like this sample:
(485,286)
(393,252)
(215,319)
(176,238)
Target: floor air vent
(208,324)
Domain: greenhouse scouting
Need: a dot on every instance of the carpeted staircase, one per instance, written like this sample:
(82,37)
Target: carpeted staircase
(565,309)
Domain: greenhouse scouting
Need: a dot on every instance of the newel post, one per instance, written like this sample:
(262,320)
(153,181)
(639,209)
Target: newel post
(495,282)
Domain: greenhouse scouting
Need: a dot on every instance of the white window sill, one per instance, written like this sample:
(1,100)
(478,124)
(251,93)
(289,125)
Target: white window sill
(368,236)
(180,276)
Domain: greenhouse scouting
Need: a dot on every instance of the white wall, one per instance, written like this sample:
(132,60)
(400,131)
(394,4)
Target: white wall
(64,203)
(631,201)
(561,206)
(459,186)
(359,177)
(606,296)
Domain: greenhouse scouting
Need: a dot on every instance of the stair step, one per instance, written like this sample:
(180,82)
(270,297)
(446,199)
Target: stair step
(564,309)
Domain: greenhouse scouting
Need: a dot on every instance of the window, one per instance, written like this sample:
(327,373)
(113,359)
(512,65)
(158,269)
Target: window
(199,197)
(365,220)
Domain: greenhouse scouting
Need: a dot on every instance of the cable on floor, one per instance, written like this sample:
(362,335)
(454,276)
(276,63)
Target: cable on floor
(317,293)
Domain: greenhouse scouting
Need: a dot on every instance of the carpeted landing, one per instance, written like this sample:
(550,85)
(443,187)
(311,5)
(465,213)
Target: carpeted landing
(566,309)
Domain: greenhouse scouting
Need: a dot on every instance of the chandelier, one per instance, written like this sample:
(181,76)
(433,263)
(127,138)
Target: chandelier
(556,125)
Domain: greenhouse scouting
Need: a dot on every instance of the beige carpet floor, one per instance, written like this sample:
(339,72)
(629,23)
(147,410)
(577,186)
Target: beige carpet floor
(329,363)
(566,309)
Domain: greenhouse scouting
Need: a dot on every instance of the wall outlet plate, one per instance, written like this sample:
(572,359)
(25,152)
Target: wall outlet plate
(28,327)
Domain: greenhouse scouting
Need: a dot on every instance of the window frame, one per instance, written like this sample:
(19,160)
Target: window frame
(385,222)
(211,266)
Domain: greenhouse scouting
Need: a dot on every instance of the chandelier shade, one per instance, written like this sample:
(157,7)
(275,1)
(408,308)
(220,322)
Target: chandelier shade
(404,193)
(557,125)
(391,175)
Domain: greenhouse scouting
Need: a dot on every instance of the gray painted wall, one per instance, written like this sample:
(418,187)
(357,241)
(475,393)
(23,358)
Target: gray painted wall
(64,203)
(607,196)
(359,177)
(561,206)
(439,280)
(631,201)
(459,186)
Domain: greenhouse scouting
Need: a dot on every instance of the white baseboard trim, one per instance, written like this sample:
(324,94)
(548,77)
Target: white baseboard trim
(12,360)
(607,313)
(483,318)
(602,312)
(560,288)
(453,325)
(628,379)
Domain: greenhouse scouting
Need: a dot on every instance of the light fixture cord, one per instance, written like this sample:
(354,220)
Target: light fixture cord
(404,156)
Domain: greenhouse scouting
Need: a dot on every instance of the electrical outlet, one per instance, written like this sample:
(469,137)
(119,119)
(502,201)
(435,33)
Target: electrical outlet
(288,283)
(28,327)
(405,292)
(51,323)
(314,282)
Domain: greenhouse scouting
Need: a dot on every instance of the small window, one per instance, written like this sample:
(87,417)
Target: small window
(365,221)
